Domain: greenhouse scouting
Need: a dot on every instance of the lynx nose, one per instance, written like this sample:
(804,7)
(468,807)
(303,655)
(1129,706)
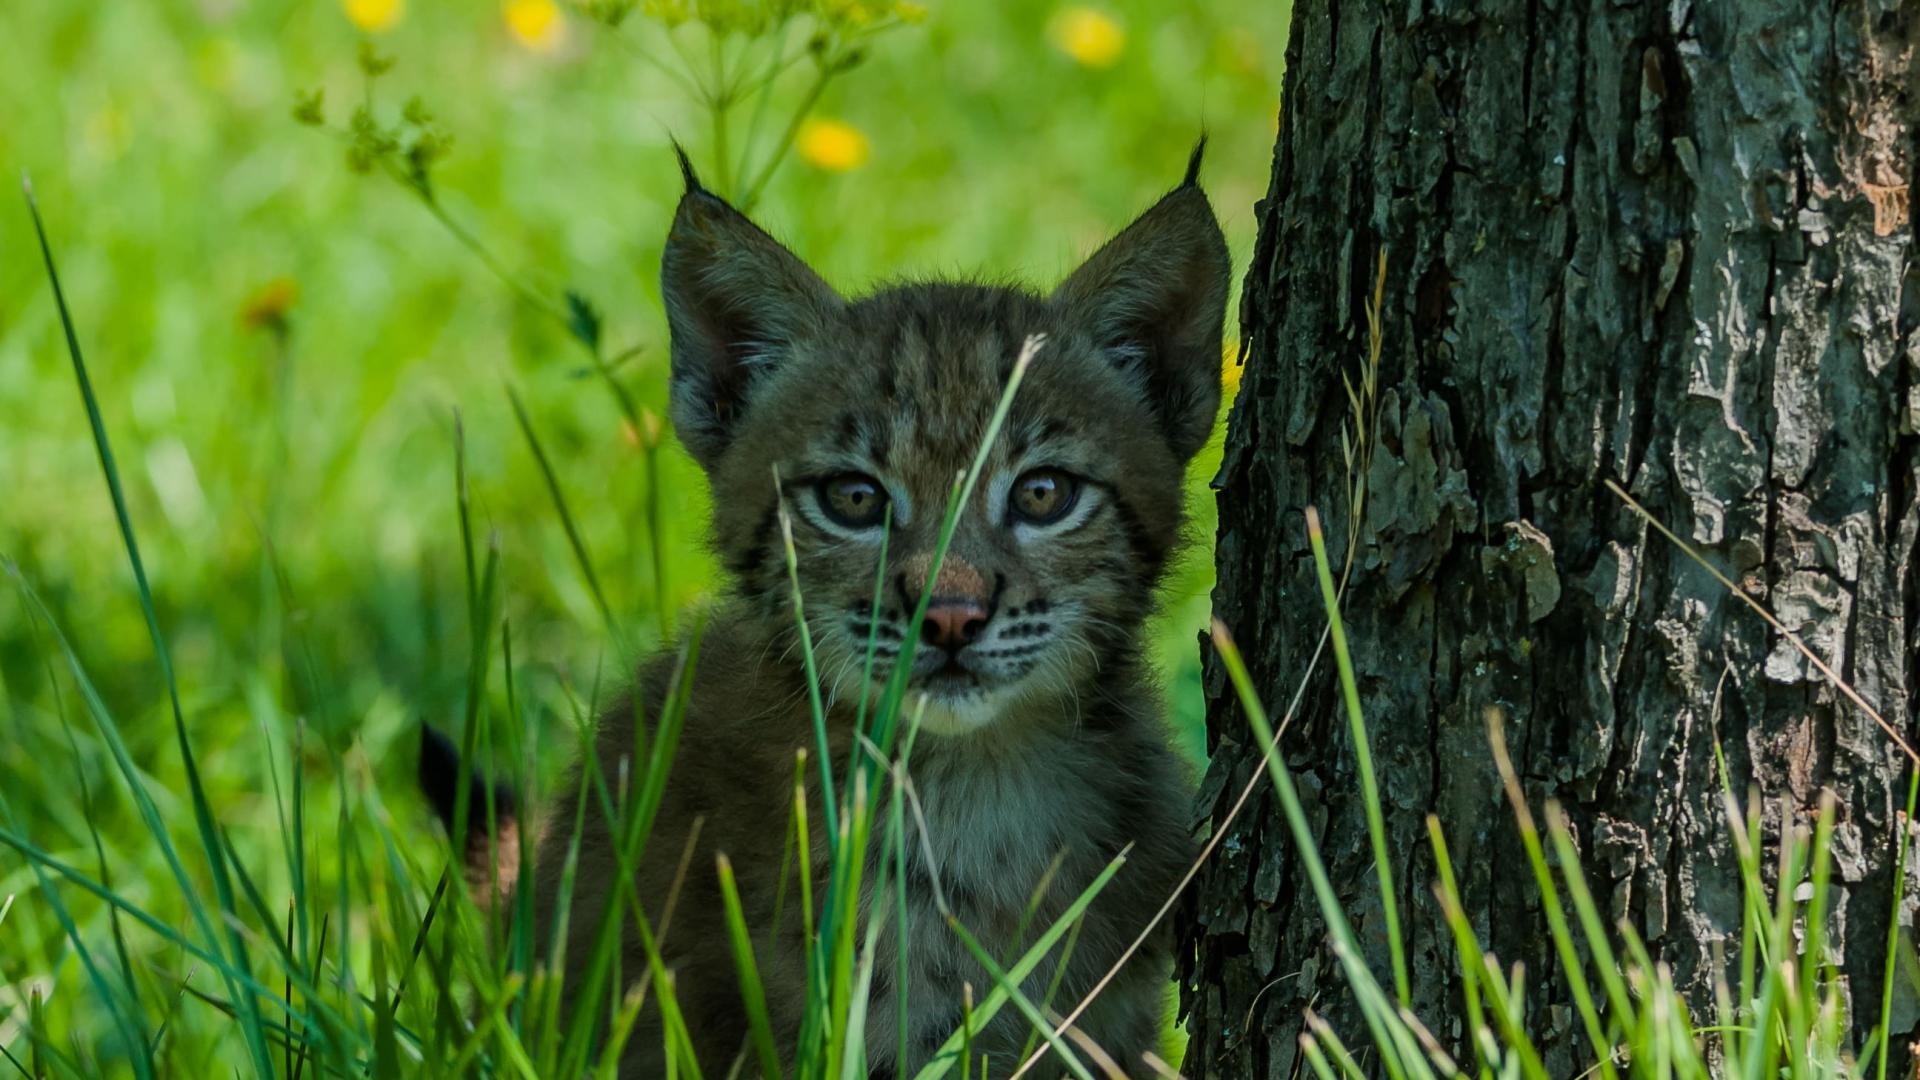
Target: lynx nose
(953,622)
(960,606)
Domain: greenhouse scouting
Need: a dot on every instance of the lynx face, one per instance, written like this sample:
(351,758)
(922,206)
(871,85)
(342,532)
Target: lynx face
(859,415)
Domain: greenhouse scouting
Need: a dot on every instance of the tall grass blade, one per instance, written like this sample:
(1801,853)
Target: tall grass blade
(632,826)
(752,995)
(1619,1001)
(1363,755)
(897,840)
(1320,1034)
(1472,961)
(809,664)
(622,1027)
(1557,927)
(1359,978)
(1813,945)
(832,965)
(1317,1061)
(559,498)
(481,592)
(1003,981)
(873,619)
(978,1016)
(844,908)
(853,1037)
(1884,1035)
(202,809)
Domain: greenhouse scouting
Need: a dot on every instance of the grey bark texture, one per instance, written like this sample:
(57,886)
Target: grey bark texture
(1668,243)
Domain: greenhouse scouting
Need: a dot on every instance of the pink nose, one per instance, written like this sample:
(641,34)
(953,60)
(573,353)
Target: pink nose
(953,622)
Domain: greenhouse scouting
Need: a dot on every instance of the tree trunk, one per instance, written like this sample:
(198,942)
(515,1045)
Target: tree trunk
(1664,242)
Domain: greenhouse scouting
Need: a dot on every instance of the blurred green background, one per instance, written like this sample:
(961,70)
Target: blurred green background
(280,345)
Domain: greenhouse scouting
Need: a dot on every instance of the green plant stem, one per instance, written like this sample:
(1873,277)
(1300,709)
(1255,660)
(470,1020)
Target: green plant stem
(701,90)
(777,62)
(574,541)
(717,110)
(472,243)
(1363,755)
(822,76)
(641,53)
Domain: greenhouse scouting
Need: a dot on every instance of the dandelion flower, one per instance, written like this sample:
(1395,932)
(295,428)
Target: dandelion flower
(536,24)
(1091,37)
(833,145)
(374,16)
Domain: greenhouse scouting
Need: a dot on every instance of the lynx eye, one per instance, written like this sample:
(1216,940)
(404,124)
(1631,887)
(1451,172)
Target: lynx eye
(1043,496)
(853,500)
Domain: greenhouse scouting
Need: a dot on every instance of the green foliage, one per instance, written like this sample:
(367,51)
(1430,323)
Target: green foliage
(388,445)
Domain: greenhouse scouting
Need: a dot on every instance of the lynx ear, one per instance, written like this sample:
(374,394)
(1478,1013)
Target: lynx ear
(736,301)
(1155,298)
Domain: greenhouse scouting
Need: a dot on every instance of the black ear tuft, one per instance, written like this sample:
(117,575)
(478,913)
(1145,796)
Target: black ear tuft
(687,175)
(737,301)
(1155,299)
(1192,179)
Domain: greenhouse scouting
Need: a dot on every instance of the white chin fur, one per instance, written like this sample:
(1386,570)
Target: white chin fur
(955,716)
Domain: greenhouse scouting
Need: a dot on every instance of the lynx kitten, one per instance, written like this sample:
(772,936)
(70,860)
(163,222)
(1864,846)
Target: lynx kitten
(1044,739)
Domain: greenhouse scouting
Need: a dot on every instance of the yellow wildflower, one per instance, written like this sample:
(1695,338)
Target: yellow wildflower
(833,145)
(374,16)
(1091,37)
(536,24)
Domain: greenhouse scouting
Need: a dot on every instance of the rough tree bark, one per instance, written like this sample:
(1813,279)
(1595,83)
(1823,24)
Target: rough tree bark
(1667,242)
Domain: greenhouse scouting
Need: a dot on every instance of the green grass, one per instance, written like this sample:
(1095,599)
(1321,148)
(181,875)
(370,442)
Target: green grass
(283,355)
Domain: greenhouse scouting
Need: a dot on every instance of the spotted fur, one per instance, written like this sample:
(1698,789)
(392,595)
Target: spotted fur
(1045,750)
